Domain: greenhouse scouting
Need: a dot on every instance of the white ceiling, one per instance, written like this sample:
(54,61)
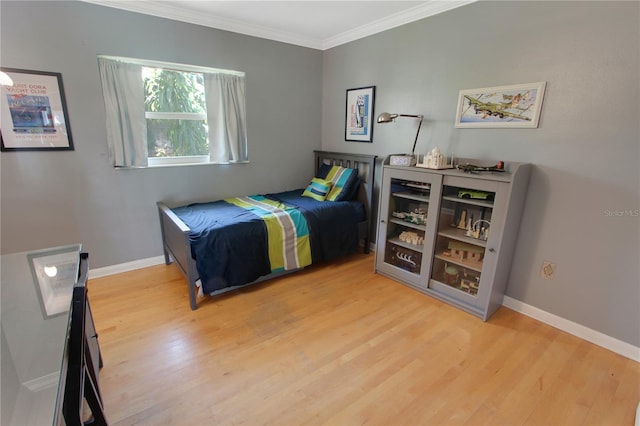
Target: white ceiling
(315,24)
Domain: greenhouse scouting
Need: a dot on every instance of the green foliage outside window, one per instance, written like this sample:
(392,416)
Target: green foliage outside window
(175,92)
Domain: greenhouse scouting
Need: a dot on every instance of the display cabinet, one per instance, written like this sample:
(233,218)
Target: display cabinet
(407,224)
(461,251)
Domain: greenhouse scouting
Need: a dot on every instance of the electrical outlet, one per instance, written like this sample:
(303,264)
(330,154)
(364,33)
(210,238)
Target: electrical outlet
(548,270)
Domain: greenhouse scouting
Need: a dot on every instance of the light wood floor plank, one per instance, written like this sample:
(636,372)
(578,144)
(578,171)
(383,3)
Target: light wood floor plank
(337,344)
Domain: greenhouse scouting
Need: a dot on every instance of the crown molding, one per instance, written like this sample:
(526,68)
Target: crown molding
(392,21)
(163,10)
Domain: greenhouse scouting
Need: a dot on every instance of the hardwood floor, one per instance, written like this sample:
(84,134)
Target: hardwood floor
(341,345)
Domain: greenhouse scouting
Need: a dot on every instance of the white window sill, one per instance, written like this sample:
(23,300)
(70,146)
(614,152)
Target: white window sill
(198,160)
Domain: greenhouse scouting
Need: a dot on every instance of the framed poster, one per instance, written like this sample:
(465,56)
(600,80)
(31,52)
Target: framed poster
(358,122)
(33,112)
(503,106)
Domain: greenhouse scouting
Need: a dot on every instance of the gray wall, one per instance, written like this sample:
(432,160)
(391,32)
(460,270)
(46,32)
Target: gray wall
(585,152)
(57,198)
(9,380)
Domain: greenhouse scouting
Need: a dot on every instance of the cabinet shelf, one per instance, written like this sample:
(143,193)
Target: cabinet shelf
(398,242)
(420,186)
(408,224)
(474,266)
(459,235)
(424,198)
(481,203)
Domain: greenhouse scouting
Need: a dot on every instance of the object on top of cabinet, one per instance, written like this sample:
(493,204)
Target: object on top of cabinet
(435,159)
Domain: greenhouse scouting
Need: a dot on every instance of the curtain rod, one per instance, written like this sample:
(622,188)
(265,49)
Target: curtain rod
(171,65)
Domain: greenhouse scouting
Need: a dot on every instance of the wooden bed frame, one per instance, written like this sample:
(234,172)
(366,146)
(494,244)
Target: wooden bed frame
(175,234)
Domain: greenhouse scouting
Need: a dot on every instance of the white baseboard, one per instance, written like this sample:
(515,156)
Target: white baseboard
(126,267)
(595,337)
(44,382)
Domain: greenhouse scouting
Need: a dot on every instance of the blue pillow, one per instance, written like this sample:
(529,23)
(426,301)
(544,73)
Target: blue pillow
(323,170)
(318,189)
(345,181)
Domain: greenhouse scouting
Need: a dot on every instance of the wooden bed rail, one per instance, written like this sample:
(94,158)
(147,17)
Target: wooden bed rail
(176,246)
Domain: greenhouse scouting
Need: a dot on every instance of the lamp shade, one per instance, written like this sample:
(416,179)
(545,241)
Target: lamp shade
(386,117)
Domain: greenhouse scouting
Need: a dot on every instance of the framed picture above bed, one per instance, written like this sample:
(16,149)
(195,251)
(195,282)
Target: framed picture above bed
(359,111)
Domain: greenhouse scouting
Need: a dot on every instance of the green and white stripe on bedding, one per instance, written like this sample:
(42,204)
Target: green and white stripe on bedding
(287,231)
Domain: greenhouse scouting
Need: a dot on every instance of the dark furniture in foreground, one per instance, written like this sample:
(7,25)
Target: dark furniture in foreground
(83,360)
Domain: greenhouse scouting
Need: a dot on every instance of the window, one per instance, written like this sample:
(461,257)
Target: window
(166,114)
(176,114)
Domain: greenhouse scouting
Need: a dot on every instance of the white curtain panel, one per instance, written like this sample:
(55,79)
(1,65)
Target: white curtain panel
(226,116)
(123,92)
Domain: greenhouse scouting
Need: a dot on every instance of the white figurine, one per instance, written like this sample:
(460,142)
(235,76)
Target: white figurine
(434,160)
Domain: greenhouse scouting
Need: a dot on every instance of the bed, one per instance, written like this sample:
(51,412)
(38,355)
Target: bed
(227,244)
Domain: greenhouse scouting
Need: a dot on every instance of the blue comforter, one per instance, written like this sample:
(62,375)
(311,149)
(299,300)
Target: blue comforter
(230,246)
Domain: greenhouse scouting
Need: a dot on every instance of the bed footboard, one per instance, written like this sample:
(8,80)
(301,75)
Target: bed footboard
(175,243)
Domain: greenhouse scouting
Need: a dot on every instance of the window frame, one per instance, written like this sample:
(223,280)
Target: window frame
(183,68)
(153,115)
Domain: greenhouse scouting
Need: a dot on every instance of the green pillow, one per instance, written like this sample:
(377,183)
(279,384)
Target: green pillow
(318,189)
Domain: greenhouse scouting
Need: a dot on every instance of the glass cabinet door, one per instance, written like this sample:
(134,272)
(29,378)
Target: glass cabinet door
(451,234)
(407,221)
(461,250)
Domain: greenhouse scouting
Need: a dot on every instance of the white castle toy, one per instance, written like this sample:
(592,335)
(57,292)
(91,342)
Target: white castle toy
(434,160)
